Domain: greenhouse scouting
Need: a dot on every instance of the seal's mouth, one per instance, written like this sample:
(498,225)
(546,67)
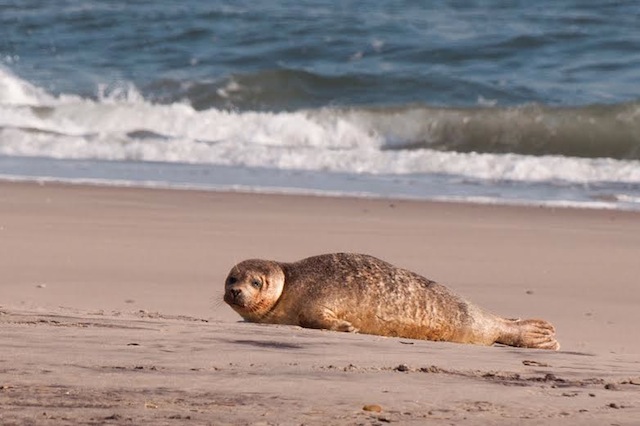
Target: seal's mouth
(234,298)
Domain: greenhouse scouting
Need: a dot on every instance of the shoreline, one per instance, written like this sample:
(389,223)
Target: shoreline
(111,311)
(596,204)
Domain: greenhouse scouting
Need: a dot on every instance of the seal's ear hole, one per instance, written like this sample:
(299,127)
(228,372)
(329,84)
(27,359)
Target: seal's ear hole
(231,280)
(257,283)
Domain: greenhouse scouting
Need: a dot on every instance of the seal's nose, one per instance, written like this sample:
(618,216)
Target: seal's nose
(235,292)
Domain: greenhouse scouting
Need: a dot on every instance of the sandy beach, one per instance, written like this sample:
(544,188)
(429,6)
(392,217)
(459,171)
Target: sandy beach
(111,311)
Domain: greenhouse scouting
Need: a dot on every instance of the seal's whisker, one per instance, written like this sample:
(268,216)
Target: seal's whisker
(235,267)
(217,304)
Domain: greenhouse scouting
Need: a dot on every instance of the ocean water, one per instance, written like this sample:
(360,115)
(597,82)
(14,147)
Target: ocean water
(485,101)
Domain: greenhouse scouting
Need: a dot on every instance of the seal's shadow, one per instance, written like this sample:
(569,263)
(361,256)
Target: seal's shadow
(265,344)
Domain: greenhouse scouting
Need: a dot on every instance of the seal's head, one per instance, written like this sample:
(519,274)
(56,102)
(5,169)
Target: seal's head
(253,287)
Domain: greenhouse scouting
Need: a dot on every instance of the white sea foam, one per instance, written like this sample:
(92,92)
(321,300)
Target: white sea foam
(121,125)
(14,91)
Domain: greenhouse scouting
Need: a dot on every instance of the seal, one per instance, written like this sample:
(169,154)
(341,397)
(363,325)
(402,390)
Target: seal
(360,293)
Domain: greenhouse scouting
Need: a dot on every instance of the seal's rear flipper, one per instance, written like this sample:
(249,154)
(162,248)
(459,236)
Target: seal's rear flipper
(529,333)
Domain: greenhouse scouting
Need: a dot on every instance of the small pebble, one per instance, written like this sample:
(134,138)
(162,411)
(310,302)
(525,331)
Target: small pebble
(372,407)
(41,286)
(402,367)
(610,386)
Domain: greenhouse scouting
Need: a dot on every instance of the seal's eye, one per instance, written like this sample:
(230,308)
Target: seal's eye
(231,280)
(257,283)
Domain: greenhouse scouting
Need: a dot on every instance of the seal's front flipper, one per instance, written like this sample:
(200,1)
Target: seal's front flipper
(327,319)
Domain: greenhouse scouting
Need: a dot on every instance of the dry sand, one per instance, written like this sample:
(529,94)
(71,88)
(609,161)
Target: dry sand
(111,312)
